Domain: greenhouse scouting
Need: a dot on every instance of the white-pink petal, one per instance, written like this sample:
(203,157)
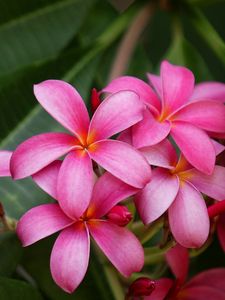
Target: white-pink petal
(40,222)
(75,183)
(63,102)
(177,86)
(47,178)
(157,196)
(107,192)
(149,131)
(195,145)
(116,113)
(5,157)
(70,257)
(188,217)
(120,246)
(39,151)
(123,161)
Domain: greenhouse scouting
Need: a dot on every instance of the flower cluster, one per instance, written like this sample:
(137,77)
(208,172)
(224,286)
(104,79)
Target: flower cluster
(163,153)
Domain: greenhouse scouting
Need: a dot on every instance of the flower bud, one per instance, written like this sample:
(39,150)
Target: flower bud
(142,286)
(95,100)
(119,215)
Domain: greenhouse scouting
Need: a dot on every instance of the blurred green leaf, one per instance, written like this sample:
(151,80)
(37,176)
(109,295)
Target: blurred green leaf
(12,289)
(11,252)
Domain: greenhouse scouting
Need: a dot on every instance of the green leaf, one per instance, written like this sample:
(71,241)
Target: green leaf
(182,52)
(11,253)
(17,290)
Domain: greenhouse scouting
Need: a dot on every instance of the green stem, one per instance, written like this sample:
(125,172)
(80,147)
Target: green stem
(151,230)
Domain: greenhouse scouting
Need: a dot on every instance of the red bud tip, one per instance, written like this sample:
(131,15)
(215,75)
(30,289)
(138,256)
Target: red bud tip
(95,100)
(142,286)
(119,215)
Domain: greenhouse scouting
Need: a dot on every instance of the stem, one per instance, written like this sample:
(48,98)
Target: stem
(151,230)
(129,41)
(216,209)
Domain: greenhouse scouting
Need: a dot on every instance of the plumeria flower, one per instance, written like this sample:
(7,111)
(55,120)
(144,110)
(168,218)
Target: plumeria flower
(176,107)
(89,141)
(176,186)
(209,284)
(5,157)
(70,254)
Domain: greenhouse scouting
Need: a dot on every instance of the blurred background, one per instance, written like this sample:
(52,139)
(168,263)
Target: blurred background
(87,43)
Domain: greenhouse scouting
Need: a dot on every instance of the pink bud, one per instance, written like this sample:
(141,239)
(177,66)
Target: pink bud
(142,286)
(119,215)
(95,100)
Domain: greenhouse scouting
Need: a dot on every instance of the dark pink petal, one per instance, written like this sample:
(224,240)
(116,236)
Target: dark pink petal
(117,112)
(47,178)
(5,157)
(107,192)
(211,185)
(209,91)
(161,290)
(188,217)
(123,161)
(221,230)
(149,131)
(162,154)
(75,183)
(120,246)
(70,256)
(63,102)
(195,145)
(39,151)
(200,293)
(126,136)
(40,222)
(140,87)
(207,115)
(157,196)
(214,278)
(178,260)
(177,86)
(156,82)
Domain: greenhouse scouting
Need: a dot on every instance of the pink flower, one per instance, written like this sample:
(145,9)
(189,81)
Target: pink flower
(175,107)
(209,284)
(176,186)
(89,141)
(70,254)
(5,157)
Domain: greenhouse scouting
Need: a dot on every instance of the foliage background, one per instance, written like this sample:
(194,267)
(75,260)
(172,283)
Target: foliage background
(77,40)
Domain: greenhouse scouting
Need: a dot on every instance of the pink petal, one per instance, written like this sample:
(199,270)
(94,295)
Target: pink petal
(47,178)
(123,161)
(39,151)
(156,82)
(70,256)
(140,87)
(149,131)
(107,192)
(40,222)
(209,91)
(213,278)
(126,136)
(157,196)
(201,293)
(177,86)
(178,260)
(63,102)
(211,185)
(188,217)
(219,148)
(207,115)
(116,113)
(162,154)
(221,230)
(161,290)
(75,183)
(5,157)
(120,246)
(195,145)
